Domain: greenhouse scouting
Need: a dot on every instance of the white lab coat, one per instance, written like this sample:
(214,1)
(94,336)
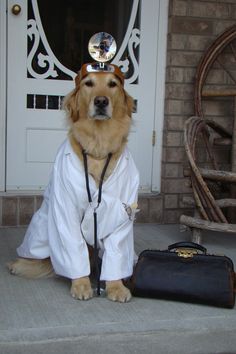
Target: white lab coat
(64,223)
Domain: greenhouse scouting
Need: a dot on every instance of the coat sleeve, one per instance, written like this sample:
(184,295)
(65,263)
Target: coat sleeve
(69,252)
(119,256)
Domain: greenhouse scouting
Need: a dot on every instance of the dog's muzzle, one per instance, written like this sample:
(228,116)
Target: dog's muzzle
(101,102)
(101,108)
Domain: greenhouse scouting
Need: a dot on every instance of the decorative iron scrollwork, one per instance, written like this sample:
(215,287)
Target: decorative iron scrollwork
(131,41)
(47,61)
(43,61)
(43,64)
(134,41)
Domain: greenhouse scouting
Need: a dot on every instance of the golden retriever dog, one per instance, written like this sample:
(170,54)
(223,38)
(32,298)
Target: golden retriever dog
(99,112)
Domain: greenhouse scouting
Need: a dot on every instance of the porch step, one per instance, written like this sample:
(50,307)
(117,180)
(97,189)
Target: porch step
(40,316)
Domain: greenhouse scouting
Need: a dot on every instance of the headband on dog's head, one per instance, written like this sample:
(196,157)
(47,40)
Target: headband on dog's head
(102,48)
(99,68)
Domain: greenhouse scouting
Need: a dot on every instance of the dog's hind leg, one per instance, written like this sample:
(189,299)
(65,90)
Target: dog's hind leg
(31,268)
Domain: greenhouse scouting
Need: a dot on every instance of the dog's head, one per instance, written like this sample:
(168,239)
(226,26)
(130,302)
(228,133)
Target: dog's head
(98,96)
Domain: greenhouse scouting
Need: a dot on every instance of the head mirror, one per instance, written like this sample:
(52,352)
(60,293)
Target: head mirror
(102,47)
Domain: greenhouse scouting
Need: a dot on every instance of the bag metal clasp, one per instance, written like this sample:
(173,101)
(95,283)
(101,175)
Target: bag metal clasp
(186,252)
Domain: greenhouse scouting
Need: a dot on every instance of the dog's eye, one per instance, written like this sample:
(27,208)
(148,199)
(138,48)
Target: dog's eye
(112,84)
(89,83)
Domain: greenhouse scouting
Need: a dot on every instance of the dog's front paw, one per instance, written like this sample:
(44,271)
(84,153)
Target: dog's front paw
(116,291)
(81,289)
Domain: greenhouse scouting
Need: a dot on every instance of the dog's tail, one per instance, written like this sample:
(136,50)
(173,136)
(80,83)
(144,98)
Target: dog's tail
(31,268)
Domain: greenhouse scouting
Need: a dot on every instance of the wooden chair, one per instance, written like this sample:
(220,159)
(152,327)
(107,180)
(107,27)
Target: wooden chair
(208,212)
(220,55)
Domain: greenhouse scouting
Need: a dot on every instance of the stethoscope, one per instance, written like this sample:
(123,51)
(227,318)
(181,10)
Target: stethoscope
(96,259)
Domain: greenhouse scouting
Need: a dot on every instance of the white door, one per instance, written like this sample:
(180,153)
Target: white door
(47,43)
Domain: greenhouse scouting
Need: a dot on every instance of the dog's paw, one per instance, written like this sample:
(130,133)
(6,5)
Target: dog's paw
(81,289)
(20,266)
(116,291)
(31,268)
(14,267)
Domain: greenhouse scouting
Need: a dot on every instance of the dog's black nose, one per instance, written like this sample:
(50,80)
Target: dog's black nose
(101,101)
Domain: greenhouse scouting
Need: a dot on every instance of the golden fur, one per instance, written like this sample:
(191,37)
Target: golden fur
(99,136)
(99,111)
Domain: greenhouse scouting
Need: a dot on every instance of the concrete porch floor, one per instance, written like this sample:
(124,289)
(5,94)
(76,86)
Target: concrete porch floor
(40,316)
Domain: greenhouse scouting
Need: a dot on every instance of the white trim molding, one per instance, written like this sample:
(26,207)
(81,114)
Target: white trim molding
(160,93)
(3,70)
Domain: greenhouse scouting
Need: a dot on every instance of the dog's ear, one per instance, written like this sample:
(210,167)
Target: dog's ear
(70,104)
(78,78)
(129,103)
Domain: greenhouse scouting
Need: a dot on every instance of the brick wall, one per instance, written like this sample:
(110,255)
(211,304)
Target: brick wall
(16,211)
(193,26)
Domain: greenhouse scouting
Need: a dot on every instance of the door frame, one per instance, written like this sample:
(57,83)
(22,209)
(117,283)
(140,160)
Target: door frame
(3,82)
(159,72)
(160,94)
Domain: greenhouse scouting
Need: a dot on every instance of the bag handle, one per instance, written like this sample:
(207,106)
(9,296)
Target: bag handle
(186,244)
